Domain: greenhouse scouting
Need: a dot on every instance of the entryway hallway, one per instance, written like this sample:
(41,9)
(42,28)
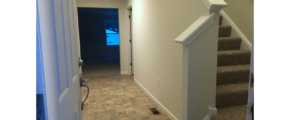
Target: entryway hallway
(113,96)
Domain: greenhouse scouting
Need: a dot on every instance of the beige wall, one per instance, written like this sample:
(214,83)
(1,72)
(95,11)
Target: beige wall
(156,23)
(121,5)
(241,12)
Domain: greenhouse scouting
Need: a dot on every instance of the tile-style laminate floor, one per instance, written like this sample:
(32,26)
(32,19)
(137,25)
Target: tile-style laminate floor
(113,96)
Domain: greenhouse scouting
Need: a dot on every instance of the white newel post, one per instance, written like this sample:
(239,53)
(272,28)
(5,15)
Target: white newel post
(200,41)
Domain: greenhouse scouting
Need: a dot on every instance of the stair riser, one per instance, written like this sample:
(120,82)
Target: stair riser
(232,113)
(233,77)
(233,99)
(229,45)
(225,31)
(234,59)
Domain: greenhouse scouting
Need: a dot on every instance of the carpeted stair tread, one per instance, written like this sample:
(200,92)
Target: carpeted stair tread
(225,31)
(233,57)
(232,94)
(220,20)
(233,74)
(229,43)
(232,113)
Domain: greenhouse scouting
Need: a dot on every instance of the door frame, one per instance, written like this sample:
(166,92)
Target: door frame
(40,82)
(130,48)
(48,57)
(104,21)
(250,110)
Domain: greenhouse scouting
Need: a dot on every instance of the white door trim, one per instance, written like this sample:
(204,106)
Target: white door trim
(49,57)
(128,40)
(251,89)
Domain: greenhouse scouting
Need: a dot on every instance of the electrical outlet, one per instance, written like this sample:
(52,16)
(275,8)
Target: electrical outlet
(157,82)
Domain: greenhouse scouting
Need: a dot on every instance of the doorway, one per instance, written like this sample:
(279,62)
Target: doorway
(99,41)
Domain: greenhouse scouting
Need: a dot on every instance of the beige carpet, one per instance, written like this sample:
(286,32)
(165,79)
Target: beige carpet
(232,77)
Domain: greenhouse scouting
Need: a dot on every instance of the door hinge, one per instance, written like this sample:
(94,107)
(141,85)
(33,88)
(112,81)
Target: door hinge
(251,108)
(253,80)
(129,16)
(130,40)
(131,64)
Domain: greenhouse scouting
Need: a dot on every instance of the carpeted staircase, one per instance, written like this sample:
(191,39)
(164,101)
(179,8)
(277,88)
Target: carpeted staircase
(232,77)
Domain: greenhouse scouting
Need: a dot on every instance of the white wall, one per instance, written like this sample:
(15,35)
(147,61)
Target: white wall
(241,12)
(155,26)
(121,5)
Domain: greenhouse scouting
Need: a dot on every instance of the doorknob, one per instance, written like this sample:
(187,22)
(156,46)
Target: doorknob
(81,62)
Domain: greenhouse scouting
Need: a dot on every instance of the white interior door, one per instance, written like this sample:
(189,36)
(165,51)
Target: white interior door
(60,49)
(250,112)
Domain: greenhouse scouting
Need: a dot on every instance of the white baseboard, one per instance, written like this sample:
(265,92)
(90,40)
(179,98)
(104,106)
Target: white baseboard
(234,26)
(211,112)
(167,112)
(207,117)
(124,72)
